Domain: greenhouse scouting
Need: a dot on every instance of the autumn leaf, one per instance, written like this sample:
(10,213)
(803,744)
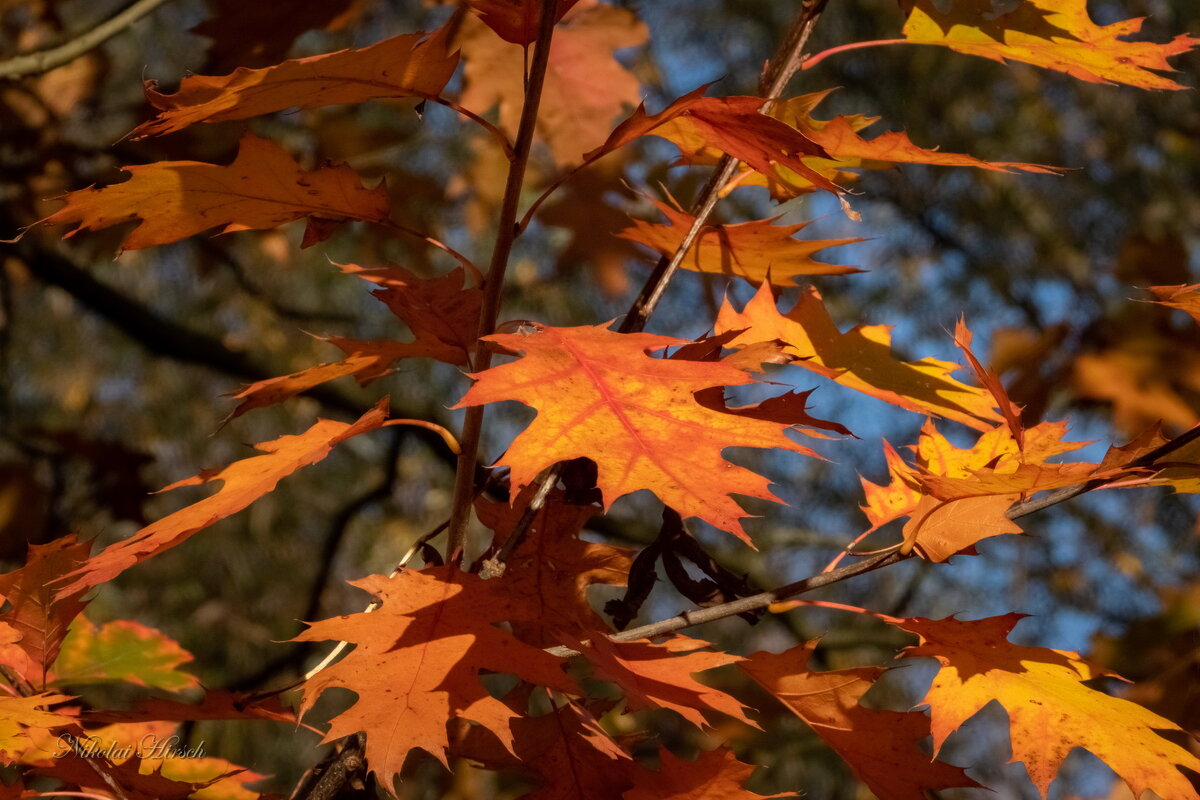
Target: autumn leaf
(1184,298)
(38,618)
(122,651)
(880,746)
(860,358)
(757,251)
(1054,34)
(659,675)
(600,396)
(699,125)
(243,482)
(262,188)
(1050,710)
(417,662)
(20,715)
(847,152)
(516,21)
(441,313)
(585,87)
(940,528)
(553,567)
(566,749)
(715,775)
(411,65)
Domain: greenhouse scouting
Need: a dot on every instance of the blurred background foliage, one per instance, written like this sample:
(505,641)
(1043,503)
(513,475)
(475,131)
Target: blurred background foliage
(114,370)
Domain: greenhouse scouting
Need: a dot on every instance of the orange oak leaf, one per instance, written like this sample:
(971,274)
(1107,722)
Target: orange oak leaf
(881,747)
(552,567)
(516,21)
(262,188)
(895,499)
(122,650)
(1054,34)
(660,675)
(993,465)
(757,251)
(585,88)
(715,775)
(566,748)
(439,311)
(1184,298)
(243,482)
(600,396)
(699,125)
(38,618)
(19,716)
(847,151)
(417,661)
(411,65)
(940,528)
(860,358)
(1050,710)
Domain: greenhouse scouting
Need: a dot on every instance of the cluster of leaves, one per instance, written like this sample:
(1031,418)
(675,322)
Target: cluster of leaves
(618,411)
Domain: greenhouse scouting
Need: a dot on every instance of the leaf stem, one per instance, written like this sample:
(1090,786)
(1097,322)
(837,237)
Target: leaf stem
(812,61)
(464,476)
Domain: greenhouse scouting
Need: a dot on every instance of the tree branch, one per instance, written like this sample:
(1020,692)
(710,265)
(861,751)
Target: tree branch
(45,60)
(464,478)
(778,72)
(885,559)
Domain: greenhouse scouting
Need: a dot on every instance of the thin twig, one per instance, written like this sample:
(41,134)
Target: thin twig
(1148,459)
(325,780)
(464,477)
(46,60)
